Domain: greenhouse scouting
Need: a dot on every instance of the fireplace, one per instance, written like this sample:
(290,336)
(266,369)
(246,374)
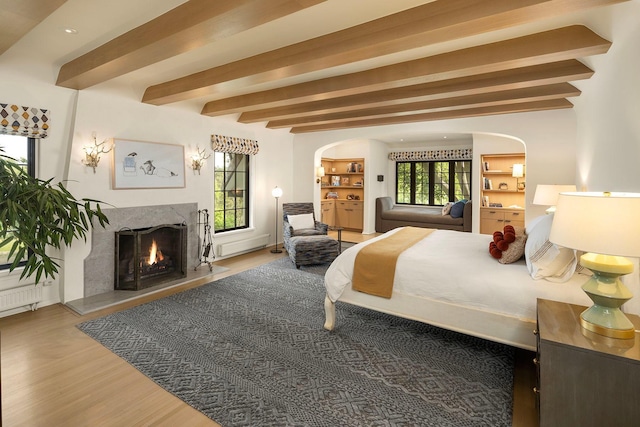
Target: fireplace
(149,256)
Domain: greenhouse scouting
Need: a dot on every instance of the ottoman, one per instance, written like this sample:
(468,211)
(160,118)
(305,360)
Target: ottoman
(307,250)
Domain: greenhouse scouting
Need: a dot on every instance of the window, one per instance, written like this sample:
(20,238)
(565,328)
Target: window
(22,150)
(432,183)
(231,191)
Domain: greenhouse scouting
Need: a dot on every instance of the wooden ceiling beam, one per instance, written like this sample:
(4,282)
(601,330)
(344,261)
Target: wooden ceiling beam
(553,104)
(431,23)
(189,26)
(20,17)
(537,75)
(549,46)
(540,93)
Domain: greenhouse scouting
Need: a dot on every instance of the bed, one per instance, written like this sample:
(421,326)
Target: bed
(449,280)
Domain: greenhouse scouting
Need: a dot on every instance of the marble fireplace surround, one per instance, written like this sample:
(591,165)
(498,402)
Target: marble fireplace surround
(99,267)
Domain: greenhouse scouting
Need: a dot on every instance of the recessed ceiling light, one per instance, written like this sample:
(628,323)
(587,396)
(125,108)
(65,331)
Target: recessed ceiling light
(445,137)
(70,31)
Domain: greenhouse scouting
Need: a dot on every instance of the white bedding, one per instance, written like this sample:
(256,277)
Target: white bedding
(456,268)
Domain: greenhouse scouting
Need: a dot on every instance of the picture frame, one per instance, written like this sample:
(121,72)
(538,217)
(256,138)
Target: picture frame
(145,165)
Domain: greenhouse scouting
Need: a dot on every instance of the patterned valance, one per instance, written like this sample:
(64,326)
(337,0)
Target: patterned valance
(230,144)
(25,121)
(455,154)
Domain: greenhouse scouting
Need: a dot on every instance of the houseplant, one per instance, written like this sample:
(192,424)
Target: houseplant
(35,215)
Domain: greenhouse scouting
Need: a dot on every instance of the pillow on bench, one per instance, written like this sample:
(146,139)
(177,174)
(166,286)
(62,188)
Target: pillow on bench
(458,208)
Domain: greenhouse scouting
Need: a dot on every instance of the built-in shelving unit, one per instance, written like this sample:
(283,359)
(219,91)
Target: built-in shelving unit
(502,194)
(342,192)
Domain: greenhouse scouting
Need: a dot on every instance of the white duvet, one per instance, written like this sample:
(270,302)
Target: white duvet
(455,267)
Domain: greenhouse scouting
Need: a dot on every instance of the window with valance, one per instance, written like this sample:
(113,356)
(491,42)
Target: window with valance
(231,181)
(24,121)
(434,177)
(449,154)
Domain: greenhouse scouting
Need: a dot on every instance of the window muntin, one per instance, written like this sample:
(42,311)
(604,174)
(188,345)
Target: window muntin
(22,149)
(231,191)
(432,183)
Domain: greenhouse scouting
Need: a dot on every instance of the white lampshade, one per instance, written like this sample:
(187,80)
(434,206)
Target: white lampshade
(276,192)
(548,194)
(603,223)
(518,170)
(320,172)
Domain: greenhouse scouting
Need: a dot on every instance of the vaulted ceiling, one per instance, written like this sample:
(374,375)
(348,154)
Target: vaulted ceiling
(419,61)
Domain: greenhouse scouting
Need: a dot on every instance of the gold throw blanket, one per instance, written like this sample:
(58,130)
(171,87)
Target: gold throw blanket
(375,264)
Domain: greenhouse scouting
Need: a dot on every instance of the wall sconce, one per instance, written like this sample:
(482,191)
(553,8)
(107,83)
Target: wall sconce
(92,152)
(319,174)
(197,159)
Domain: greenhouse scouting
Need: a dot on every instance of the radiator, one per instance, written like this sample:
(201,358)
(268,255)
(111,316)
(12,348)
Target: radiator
(28,295)
(246,245)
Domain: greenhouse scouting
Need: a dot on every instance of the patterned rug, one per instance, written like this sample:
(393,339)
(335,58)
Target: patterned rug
(250,350)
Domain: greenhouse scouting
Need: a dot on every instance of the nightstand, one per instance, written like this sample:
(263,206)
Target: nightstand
(584,379)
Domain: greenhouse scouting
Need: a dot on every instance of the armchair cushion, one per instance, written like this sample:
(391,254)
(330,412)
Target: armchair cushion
(301,221)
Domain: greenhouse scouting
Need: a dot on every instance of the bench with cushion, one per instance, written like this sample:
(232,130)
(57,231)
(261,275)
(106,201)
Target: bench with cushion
(390,216)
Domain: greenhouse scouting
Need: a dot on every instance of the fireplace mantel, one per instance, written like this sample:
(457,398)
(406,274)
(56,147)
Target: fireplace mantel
(99,266)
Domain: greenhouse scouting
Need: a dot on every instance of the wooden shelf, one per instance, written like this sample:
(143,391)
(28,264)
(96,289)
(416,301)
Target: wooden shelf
(502,165)
(345,212)
(508,173)
(504,191)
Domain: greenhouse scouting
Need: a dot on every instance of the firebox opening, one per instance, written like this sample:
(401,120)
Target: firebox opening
(149,256)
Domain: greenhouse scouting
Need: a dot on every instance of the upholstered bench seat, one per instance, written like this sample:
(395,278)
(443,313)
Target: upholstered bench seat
(308,250)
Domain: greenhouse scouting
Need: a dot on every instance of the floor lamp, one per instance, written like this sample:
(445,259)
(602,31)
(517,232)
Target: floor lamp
(276,192)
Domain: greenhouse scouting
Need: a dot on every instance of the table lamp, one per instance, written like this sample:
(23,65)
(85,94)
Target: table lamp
(518,172)
(605,226)
(547,195)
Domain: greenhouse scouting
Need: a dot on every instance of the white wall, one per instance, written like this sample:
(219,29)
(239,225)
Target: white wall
(75,115)
(549,138)
(609,113)
(596,145)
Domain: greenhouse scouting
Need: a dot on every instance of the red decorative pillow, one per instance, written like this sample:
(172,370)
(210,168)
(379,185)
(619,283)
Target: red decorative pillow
(507,245)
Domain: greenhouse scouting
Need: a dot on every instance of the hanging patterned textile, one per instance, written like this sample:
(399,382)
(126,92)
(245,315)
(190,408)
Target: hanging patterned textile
(453,154)
(25,121)
(230,144)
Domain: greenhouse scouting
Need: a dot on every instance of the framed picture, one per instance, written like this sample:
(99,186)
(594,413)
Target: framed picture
(138,164)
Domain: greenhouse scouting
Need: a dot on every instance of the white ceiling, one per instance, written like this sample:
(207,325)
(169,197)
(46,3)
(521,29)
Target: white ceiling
(98,21)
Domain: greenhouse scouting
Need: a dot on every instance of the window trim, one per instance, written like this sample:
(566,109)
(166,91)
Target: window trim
(246,196)
(31,170)
(431,174)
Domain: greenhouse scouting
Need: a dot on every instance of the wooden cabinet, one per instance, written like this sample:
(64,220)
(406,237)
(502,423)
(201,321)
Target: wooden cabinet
(494,219)
(584,379)
(343,186)
(500,189)
(349,214)
(328,212)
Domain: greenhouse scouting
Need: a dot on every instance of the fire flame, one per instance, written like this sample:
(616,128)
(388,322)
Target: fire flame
(155,255)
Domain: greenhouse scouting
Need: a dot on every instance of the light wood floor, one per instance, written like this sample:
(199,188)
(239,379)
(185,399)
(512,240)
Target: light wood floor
(54,375)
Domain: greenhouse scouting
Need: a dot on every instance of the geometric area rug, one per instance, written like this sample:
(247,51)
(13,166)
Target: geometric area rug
(250,350)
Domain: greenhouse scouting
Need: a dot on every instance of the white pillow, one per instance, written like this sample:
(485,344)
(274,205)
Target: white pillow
(299,222)
(447,208)
(546,260)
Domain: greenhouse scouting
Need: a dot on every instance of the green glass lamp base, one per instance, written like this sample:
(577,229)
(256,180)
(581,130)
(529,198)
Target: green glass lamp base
(617,331)
(608,293)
